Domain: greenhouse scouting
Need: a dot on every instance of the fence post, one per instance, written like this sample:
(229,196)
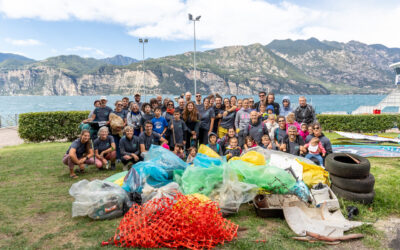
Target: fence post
(16,120)
(0,121)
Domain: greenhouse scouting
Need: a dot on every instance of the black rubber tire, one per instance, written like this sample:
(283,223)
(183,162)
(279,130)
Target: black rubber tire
(365,198)
(341,165)
(365,185)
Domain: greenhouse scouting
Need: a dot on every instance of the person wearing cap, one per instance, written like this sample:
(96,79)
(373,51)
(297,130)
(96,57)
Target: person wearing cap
(137,100)
(285,109)
(270,109)
(102,113)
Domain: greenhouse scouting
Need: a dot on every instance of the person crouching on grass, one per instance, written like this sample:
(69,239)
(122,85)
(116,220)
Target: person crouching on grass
(80,153)
(129,147)
(104,149)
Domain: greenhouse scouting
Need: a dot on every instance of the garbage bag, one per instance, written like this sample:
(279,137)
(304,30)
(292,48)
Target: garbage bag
(169,190)
(116,176)
(204,161)
(254,157)
(157,169)
(301,190)
(232,193)
(290,165)
(205,150)
(313,174)
(97,199)
(201,180)
(272,179)
(116,124)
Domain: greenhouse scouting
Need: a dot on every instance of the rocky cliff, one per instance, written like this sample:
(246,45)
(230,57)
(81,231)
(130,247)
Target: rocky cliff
(284,67)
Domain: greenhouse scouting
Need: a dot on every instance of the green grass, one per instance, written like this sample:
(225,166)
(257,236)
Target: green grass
(35,207)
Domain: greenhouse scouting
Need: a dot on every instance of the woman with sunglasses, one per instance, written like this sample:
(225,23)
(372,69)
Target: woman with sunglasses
(317,132)
(168,114)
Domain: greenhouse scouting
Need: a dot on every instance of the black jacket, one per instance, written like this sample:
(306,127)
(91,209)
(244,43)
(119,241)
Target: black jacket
(305,114)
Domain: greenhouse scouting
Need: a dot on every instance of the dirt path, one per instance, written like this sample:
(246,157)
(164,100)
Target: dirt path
(9,137)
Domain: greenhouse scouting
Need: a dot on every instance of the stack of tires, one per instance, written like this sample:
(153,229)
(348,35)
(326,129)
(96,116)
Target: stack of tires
(351,180)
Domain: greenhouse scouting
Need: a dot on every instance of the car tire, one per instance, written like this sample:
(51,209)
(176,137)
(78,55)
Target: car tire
(365,198)
(341,165)
(365,185)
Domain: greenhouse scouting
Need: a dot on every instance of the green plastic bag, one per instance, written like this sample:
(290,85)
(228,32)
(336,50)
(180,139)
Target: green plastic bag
(201,180)
(273,179)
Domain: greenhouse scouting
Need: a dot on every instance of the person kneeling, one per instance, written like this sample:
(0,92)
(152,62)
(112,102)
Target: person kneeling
(104,149)
(233,149)
(80,153)
(129,147)
(149,137)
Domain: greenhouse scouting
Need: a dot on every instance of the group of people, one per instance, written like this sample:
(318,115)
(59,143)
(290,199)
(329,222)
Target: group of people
(226,125)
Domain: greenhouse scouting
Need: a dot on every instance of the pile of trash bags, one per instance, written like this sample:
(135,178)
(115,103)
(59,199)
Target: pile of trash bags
(229,183)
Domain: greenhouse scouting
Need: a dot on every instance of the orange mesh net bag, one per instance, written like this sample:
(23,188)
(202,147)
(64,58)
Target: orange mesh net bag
(185,221)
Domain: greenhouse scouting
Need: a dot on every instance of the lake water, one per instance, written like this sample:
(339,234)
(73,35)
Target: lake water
(12,105)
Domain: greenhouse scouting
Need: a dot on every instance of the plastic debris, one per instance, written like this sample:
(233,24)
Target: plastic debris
(254,157)
(201,180)
(149,192)
(97,199)
(313,174)
(184,221)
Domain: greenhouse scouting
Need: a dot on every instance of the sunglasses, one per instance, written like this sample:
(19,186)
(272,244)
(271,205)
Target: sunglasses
(120,105)
(170,104)
(316,128)
(198,95)
(281,121)
(261,95)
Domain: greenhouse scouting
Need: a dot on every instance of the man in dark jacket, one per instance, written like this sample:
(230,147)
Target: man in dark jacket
(262,95)
(304,113)
(293,143)
(271,101)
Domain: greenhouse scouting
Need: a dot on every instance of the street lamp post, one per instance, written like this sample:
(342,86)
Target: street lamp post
(194,44)
(143,41)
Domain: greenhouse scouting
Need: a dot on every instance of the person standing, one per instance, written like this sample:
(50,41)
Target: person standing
(271,101)
(198,103)
(256,128)
(280,132)
(181,105)
(188,97)
(304,113)
(137,100)
(317,132)
(134,118)
(218,110)
(191,118)
(242,120)
(285,109)
(228,118)
(207,117)
(262,95)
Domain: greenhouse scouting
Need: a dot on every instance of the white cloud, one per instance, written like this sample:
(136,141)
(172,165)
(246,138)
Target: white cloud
(226,22)
(89,52)
(24,42)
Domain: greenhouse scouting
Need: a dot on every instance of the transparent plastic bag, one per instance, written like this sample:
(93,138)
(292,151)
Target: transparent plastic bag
(97,199)
(273,179)
(169,190)
(232,193)
(201,180)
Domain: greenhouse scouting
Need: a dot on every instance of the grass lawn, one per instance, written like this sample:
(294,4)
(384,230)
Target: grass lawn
(35,207)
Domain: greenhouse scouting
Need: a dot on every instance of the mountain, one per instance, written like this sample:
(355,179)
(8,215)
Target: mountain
(119,60)
(7,56)
(283,66)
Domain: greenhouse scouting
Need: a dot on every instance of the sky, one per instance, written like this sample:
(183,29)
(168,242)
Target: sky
(40,29)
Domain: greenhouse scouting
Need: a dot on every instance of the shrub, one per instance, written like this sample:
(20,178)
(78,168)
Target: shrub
(50,126)
(358,123)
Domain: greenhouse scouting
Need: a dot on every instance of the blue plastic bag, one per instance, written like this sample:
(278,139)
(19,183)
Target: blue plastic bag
(204,161)
(301,190)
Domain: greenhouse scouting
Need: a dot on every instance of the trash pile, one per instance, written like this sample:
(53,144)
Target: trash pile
(168,203)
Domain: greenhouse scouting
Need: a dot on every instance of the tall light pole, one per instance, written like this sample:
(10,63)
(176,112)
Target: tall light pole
(143,41)
(194,43)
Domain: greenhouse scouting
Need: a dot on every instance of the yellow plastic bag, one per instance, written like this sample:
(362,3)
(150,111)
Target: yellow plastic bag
(120,181)
(313,174)
(254,158)
(203,149)
(235,158)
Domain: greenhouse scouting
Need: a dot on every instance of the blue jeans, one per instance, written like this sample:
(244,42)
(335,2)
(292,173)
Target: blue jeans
(318,157)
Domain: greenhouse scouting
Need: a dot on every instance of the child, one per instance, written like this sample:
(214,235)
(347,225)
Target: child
(178,130)
(192,154)
(270,109)
(212,143)
(249,142)
(263,112)
(303,131)
(147,115)
(224,141)
(310,129)
(315,148)
(233,149)
(272,126)
(291,122)
(160,124)
(178,150)
(267,143)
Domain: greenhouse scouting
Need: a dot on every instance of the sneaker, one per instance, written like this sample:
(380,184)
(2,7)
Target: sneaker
(112,166)
(108,165)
